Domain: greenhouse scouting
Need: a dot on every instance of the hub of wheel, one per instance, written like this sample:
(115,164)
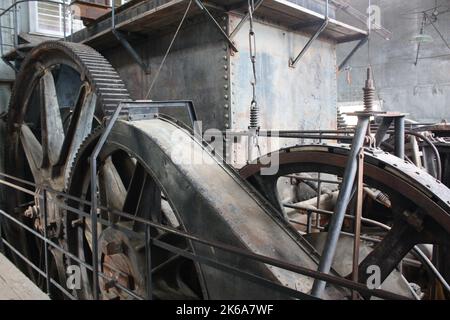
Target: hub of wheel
(120,263)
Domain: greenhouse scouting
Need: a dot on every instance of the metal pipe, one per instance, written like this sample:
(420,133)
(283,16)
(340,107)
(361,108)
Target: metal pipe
(358,216)
(399,137)
(312,179)
(1,37)
(64,19)
(337,219)
(330,213)
(16,26)
(113,15)
(435,151)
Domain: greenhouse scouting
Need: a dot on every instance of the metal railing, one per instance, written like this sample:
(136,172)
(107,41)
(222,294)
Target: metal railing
(17,184)
(42,192)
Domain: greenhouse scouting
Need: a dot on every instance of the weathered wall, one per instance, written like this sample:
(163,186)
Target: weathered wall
(193,69)
(423,91)
(201,68)
(301,98)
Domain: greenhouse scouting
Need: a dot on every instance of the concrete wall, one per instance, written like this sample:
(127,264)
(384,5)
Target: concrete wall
(423,91)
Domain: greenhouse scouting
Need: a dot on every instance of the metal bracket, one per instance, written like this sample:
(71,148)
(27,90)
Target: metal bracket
(138,110)
(123,40)
(399,131)
(350,55)
(293,62)
(219,28)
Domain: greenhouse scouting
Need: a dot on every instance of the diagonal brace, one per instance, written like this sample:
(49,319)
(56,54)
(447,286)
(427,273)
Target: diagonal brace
(219,28)
(124,42)
(352,53)
(244,19)
(293,62)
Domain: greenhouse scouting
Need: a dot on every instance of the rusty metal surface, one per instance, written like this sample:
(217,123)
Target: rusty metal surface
(194,70)
(211,194)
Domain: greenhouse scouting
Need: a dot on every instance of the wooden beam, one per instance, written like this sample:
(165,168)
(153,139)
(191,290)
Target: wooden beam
(89,11)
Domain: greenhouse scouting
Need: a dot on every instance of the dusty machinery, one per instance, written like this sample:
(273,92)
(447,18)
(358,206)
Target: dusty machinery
(165,228)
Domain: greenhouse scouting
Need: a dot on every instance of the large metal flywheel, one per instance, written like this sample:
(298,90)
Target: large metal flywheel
(62,92)
(404,207)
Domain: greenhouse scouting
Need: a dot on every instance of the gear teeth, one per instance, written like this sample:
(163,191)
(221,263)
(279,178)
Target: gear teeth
(103,79)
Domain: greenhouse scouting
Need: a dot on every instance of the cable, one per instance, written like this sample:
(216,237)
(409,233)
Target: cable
(440,34)
(168,50)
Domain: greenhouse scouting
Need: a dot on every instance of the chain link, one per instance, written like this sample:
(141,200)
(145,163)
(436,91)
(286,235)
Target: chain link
(254,112)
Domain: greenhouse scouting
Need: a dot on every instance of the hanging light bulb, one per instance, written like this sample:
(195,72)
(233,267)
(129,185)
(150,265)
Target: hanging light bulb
(422,38)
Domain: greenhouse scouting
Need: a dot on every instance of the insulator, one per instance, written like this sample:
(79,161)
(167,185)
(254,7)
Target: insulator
(369,92)
(382,197)
(254,116)
(341,124)
(369,98)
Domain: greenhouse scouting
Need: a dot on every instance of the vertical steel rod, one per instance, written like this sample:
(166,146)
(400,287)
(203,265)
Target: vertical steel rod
(358,216)
(47,269)
(64,18)
(16,26)
(337,219)
(148,260)
(1,37)
(308,221)
(400,137)
(113,15)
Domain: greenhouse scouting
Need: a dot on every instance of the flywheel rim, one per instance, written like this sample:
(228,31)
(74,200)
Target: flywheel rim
(400,180)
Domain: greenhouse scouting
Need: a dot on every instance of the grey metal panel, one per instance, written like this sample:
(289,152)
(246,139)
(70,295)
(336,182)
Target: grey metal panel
(301,98)
(194,70)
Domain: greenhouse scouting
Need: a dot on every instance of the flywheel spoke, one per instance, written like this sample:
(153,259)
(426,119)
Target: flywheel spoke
(112,187)
(33,151)
(52,128)
(80,125)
